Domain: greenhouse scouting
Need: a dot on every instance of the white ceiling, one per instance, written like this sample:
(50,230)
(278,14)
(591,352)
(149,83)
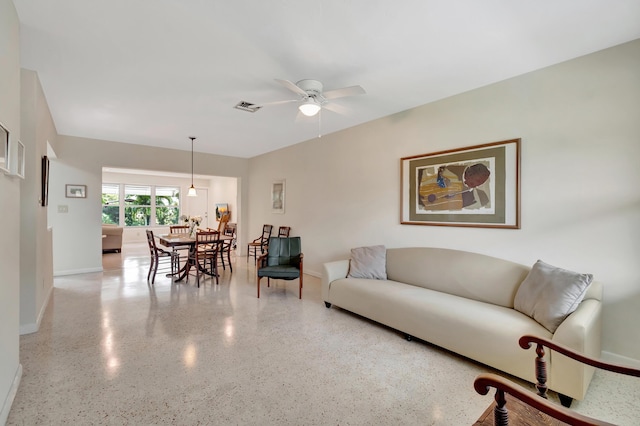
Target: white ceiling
(154,72)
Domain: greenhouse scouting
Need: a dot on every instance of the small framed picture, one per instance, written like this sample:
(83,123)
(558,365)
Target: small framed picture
(4,149)
(76,191)
(18,165)
(277,196)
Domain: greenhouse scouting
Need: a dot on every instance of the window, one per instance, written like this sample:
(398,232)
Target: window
(144,205)
(111,203)
(137,205)
(167,205)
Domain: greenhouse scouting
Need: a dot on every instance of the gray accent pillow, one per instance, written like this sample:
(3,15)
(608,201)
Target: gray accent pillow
(368,262)
(549,294)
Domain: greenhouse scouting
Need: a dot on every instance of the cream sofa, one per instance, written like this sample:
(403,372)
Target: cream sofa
(464,302)
(111,238)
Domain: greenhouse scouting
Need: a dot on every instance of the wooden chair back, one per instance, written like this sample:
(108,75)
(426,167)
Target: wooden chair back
(179,229)
(540,402)
(283,231)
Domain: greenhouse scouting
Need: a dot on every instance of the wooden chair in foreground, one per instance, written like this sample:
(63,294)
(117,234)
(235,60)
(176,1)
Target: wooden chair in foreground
(539,401)
(282,261)
(259,243)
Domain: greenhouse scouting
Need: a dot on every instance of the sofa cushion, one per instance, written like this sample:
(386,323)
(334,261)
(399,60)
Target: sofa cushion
(549,294)
(368,262)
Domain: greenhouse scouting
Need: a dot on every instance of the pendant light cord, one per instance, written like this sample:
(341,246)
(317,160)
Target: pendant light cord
(192,138)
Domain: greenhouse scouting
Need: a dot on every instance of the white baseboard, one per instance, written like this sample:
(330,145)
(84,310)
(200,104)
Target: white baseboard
(11,395)
(313,273)
(32,328)
(76,271)
(28,328)
(620,359)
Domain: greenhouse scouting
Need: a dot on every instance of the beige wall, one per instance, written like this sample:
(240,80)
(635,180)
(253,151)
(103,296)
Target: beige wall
(580,206)
(10,369)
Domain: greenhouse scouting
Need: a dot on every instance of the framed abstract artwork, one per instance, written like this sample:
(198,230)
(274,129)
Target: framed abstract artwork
(476,186)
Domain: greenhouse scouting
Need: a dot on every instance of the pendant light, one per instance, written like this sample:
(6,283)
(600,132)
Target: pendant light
(192,191)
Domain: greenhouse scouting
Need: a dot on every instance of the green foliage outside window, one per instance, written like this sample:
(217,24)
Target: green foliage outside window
(110,204)
(167,205)
(138,203)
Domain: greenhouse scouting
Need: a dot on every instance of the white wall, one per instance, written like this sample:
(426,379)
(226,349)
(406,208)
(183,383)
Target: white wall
(10,369)
(77,234)
(36,275)
(579,124)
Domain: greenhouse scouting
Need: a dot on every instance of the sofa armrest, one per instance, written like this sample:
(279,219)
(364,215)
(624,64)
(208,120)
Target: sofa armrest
(582,332)
(333,271)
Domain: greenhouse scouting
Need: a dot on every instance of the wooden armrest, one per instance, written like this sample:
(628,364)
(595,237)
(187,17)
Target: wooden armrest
(261,258)
(526,341)
(485,381)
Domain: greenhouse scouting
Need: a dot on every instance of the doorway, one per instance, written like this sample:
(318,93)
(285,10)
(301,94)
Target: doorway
(199,206)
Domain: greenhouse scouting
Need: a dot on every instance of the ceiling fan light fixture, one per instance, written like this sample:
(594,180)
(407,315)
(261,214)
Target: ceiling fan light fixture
(309,107)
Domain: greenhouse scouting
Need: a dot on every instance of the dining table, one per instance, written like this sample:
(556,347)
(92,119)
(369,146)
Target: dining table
(182,240)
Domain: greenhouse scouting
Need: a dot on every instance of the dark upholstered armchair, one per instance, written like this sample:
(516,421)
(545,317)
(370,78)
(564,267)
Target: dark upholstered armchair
(283,261)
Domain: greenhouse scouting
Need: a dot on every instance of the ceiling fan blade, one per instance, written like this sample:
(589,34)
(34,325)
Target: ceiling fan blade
(277,103)
(345,91)
(291,86)
(338,109)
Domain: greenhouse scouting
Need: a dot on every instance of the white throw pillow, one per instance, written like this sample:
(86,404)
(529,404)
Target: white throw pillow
(549,294)
(368,262)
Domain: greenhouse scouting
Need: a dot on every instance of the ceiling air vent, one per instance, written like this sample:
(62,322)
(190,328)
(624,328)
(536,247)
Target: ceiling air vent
(247,106)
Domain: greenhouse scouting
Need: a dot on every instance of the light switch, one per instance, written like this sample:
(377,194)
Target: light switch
(63,209)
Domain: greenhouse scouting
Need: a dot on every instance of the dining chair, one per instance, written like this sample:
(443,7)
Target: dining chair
(204,256)
(178,229)
(182,251)
(283,231)
(232,230)
(228,245)
(259,243)
(160,256)
(282,261)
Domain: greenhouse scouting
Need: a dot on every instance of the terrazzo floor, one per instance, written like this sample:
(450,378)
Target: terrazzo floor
(113,350)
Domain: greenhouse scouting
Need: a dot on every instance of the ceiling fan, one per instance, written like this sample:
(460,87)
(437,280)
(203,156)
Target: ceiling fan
(312,98)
